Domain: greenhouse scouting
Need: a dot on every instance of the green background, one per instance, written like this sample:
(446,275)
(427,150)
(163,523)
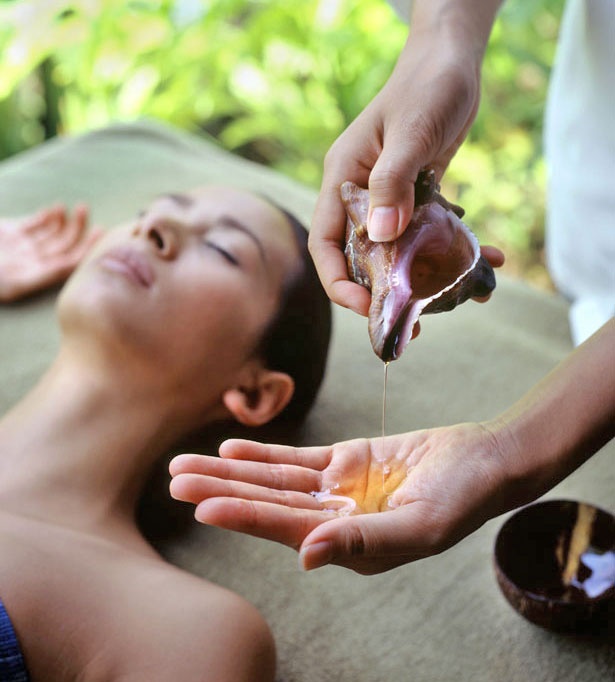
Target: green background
(277,82)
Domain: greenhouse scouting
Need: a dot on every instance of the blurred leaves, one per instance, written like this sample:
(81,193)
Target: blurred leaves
(276,81)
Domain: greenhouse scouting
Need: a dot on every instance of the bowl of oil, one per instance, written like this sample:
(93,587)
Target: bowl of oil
(555,564)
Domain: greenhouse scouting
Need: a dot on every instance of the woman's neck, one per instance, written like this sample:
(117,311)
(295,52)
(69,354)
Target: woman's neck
(77,449)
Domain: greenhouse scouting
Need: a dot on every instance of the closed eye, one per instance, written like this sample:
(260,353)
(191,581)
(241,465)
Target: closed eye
(223,252)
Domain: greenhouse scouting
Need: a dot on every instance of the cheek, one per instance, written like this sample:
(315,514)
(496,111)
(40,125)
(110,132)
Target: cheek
(219,328)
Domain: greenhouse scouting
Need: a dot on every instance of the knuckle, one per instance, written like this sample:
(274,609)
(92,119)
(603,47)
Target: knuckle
(276,474)
(335,157)
(283,498)
(313,241)
(356,543)
(331,155)
(387,177)
(438,538)
(426,134)
(250,516)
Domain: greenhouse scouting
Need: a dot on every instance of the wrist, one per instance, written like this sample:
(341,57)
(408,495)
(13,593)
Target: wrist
(564,419)
(523,469)
(464,25)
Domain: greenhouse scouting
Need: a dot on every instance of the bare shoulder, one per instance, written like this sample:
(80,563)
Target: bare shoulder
(193,629)
(120,612)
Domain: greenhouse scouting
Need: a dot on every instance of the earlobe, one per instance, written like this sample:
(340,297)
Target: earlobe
(262,402)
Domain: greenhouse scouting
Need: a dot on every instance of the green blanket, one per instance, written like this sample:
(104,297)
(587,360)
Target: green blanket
(441,619)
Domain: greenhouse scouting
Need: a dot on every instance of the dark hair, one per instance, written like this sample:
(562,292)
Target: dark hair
(296,341)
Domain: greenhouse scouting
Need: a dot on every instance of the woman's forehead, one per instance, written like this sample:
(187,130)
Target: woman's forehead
(255,213)
(222,198)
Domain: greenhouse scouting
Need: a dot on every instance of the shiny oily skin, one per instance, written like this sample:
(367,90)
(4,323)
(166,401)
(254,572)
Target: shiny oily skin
(370,494)
(373,492)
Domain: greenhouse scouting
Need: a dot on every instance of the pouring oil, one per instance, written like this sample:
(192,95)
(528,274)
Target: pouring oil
(385,468)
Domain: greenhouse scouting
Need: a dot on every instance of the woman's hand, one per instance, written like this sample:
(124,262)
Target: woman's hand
(42,250)
(369,505)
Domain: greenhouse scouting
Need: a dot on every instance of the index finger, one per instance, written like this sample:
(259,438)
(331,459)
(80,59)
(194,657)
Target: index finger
(326,245)
(494,255)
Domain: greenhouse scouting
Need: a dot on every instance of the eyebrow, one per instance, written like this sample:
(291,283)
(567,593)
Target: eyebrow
(183,200)
(186,201)
(233,223)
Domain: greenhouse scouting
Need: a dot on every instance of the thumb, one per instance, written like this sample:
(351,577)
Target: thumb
(391,188)
(335,541)
(369,543)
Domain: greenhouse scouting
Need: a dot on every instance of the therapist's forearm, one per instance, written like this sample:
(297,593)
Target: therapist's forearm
(470,21)
(563,420)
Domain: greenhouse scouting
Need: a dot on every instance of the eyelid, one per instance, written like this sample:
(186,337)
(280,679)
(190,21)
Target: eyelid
(226,254)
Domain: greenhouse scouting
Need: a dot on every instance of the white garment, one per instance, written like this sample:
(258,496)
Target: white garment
(580,153)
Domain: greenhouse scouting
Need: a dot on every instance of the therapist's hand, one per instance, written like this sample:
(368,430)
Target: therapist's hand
(419,119)
(414,494)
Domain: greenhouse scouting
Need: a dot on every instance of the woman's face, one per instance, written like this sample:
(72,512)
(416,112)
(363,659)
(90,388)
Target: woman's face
(190,285)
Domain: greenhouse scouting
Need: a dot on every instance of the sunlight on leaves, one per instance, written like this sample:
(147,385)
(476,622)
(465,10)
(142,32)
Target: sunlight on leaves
(277,82)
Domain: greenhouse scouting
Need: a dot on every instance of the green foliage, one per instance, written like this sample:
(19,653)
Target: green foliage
(276,81)
(499,176)
(272,79)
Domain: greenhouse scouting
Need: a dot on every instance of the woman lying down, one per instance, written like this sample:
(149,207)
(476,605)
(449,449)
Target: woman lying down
(181,318)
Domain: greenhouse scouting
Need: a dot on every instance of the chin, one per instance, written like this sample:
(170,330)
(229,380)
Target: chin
(92,308)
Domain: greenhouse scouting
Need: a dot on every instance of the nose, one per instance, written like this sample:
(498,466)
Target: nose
(162,236)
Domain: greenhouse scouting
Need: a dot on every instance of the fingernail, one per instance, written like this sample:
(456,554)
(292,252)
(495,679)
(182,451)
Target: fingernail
(383,223)
(316,555)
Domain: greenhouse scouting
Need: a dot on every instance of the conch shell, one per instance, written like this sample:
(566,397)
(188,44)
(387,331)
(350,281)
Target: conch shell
(434,266)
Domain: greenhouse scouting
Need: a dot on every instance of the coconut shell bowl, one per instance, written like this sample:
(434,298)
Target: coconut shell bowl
(555,564)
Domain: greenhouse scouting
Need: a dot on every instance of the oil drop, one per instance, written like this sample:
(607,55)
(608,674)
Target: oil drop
(385,468)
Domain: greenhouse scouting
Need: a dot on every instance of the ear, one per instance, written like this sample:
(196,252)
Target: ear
(263,400)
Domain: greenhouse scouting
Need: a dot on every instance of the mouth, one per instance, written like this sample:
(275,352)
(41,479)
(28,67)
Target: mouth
(130,263)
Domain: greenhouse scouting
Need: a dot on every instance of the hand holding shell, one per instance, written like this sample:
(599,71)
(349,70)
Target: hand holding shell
(433,267)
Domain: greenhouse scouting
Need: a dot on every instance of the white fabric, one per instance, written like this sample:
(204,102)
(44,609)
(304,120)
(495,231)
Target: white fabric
(580,153)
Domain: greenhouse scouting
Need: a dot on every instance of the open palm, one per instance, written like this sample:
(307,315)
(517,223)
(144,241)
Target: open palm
(41,250)
(367,504)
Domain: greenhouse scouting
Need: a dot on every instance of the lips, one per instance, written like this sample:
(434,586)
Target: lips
(131,263)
